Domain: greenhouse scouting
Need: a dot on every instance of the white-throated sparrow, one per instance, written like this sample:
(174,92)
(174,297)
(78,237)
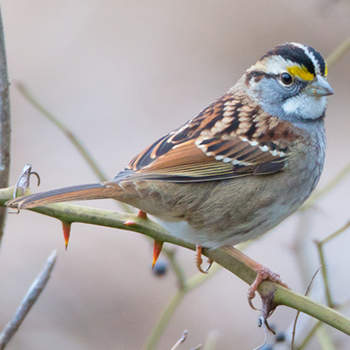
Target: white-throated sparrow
(237,169)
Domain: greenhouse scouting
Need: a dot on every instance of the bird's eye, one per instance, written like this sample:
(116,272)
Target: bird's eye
(286,79)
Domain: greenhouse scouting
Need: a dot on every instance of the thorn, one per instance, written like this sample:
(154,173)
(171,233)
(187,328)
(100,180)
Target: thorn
(142,215)
(157,248)
(66,232)
(129,223)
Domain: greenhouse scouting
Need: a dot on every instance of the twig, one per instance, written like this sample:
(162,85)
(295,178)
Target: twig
(211,340)
(96,169)
(335,234)
(28,301)
(320,244)
(325,340)
(338,52)
(5,124)
(175,301)
(180,341)
(181,279)
(325,274)
(298,313)
(309,336)
(162,323)
(72,138)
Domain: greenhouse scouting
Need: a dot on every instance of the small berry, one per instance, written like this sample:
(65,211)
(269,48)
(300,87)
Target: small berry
(160,268)
(280,337)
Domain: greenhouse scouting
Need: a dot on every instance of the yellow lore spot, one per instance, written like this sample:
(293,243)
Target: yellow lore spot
(326,70)
(300,72)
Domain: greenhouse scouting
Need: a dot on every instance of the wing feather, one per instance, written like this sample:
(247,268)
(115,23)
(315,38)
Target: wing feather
(232,137)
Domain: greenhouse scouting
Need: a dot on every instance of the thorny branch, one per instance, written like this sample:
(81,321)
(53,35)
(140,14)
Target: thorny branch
(282,296)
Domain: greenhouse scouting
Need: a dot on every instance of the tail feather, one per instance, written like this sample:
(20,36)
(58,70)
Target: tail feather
(72,193)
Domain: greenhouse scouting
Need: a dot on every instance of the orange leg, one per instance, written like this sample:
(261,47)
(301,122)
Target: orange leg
(198,259)
(263,273)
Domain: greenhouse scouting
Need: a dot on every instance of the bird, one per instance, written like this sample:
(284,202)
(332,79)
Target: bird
(238,168)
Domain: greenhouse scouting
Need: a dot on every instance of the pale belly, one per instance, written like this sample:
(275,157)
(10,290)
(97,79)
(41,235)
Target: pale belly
(227,212)
(233,221)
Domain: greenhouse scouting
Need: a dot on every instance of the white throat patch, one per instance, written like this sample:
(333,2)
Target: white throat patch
(305,105)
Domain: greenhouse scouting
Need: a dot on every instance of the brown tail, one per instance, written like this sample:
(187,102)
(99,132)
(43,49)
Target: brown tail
(72,193)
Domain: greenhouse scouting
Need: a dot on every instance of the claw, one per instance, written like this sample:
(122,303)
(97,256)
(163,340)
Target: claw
(157,248)
(141,215)
(263,273)
(250,302)
(198,259)
(66,232)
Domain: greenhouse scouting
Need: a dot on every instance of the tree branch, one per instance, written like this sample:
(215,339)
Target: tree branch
(281,296)
(31,297)
(5,124)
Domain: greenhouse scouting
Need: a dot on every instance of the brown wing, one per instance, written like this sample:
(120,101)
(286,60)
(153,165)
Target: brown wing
(232,137)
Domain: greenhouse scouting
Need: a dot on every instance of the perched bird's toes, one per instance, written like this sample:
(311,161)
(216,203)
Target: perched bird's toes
(263,273)
(251,296)
(199,261)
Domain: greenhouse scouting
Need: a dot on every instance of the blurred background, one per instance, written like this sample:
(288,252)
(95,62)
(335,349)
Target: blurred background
(120,74)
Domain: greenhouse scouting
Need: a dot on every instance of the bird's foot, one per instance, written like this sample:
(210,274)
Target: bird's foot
(263,273)
(198,259)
